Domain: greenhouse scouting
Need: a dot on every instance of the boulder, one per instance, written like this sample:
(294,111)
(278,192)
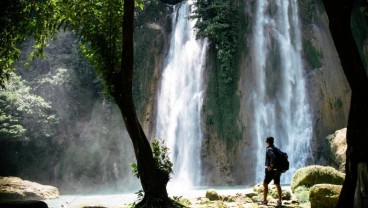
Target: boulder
(338,147)
(212,195)
(24,204)
(316,174)
(302,194)
(14,188)
(324,195)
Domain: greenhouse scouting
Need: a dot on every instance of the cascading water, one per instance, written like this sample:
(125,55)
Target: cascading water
(279,98)
(180,98)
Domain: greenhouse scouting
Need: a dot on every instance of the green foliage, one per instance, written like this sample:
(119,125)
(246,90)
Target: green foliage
(134,168)
(222,108)
(314,55)
(20,19)
(98,26)
(140,195)
(24,115)
(161,156)
(338,103)
(218,20)
(307,11)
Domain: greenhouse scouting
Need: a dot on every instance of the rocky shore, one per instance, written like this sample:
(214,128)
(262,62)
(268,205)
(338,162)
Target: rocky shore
(16,189)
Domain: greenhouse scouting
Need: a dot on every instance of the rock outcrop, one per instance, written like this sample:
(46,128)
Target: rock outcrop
(316,174)
(14,188)
(324,195)
(338,146)
(328,89)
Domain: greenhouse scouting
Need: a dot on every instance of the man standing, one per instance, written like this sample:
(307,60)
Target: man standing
(271,172)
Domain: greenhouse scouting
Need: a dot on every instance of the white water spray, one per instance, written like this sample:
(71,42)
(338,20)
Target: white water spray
(180,98)
(279,99)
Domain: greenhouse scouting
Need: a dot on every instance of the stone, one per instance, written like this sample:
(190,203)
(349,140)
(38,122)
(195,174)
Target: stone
(14,188)
(272,191)
(24,204)
(251,194)
(212,195)
(316,174)
(302,194)
(338,146)
(324,195)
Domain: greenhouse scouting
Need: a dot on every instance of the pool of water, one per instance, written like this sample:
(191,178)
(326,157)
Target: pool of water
(119,200)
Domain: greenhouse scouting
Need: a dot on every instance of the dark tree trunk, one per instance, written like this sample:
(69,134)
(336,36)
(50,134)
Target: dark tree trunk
(339,14)
(171,2)
(153,180)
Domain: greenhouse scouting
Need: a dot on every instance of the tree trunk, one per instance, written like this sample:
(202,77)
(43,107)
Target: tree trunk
(153,180)
(171,2)
(339,14)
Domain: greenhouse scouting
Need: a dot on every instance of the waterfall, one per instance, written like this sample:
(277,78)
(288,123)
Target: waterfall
(279,96)
(180,98)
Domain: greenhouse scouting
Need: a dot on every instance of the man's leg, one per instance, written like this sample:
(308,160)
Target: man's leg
(268,178)
(278,187)
(265,191)
(279,191)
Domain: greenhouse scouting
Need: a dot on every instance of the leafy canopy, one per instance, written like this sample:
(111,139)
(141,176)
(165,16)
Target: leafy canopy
(24,115)
(19,20)
(97,23)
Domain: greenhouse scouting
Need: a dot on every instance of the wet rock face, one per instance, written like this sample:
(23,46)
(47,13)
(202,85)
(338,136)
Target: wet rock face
(328,90)
(14,188)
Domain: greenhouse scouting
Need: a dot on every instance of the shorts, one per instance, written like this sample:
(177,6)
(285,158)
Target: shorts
(272,175)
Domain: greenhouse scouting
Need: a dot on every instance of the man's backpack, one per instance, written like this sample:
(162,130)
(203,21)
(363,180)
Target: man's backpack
(281,161)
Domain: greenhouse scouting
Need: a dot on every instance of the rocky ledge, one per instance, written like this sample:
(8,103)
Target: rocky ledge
(14,188)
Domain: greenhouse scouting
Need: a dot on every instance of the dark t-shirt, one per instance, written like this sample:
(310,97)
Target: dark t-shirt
(270,156)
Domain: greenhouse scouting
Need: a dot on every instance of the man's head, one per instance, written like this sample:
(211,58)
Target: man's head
(269,140)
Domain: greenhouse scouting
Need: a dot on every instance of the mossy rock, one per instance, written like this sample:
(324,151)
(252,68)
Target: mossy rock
(302,194)
(183,201)
(272,191)
(251,194)
(240,198)
(229,199)
(324,195)
(316,174)
(220,204)
(212,195)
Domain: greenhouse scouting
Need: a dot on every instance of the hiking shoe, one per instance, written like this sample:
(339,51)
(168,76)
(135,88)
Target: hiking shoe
(263,202)
(279,202)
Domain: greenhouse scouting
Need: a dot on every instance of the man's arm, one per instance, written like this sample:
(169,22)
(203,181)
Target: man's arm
(272,158)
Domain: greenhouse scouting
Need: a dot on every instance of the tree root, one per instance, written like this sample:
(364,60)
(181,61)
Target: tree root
(150,202)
